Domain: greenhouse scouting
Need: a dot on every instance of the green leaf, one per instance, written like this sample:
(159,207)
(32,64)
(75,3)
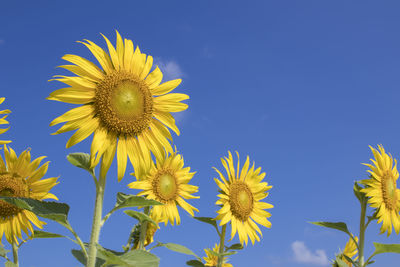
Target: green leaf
(357,192)
(81,160)
(386,248)
(3,251)
(10,264)
(217,254)
(179,248)
(140,216)
(137,258)
(129,201)
(208,220)
(341,226)
(47,209)
(340,262)
(195,263)
(78,254)
(236,246)
(42,234)
(350,260)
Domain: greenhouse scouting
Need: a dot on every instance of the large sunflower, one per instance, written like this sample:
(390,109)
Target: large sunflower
(19,177)
(240,198)
(4,121)
(382,190)
(212,260)
(167,182)
(126,108)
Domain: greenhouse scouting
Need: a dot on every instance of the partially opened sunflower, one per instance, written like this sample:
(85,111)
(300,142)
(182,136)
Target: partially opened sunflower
(123,103)
(19,177)
(212,260)
(382,190)
(241,192)
(350,250)
(3,121)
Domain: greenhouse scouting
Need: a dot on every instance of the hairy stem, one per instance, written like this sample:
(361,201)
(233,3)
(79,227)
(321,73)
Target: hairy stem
(96,226)
(362,232)
(15,253)
(221,246)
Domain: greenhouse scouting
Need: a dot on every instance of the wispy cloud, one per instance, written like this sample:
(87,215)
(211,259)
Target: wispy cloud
(2,41)
(170,69)
(303,255)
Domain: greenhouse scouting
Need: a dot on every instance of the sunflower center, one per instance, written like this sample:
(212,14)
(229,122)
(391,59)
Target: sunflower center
(389,191)
(124,103)
(11,186)
(165,185)
(241,200)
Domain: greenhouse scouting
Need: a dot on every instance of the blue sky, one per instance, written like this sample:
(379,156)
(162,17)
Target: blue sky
(302,87)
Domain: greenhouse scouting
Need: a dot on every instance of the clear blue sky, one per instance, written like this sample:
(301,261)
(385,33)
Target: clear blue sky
(303,87)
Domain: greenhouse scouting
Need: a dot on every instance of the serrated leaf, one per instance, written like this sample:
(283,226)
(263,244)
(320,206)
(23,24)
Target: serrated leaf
(81,160)
(78,254)
(10,264)
(195,263)
(386,248)
(208,220)
(47,209)
(42,234)
(140,216)
(178,248)
(341,226)
(236,246)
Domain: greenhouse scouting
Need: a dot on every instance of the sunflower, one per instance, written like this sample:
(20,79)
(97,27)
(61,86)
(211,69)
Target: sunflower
(3,121)
(19,177)
(240,199)
(212,260)
(350,250)
(167,182)
(124,104)
(382,190)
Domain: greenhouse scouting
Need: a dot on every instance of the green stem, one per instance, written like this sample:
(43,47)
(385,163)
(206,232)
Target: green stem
(15,253)
(221,246)
(143,230)
(96,226)
(362,232)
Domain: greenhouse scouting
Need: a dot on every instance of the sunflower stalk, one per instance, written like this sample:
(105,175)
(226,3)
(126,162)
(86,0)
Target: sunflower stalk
(363,227)
(143,230)
(15,253)
(221,247)
(96,226)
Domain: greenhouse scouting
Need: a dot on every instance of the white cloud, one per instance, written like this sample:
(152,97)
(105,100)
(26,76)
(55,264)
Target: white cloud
(170,69)
(303,255)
